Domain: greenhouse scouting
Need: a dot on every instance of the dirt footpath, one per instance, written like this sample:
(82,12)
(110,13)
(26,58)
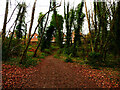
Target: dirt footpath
(55,73)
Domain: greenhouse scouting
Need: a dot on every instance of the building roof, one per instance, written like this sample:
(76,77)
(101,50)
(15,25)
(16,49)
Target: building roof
(34,38)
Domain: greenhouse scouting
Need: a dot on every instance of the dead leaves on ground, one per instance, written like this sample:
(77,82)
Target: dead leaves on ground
(13,76)
(103,78)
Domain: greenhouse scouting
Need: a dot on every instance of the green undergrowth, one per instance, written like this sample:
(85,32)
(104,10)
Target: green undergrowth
(94,60)
(67,56)
(29,61)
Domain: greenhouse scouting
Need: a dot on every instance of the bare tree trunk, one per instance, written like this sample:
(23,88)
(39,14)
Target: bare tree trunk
(95,26)
(67,27)
(5,21)
(12,13)
(89,28)
(25,51)
(59,31)
(11,26)
(32,18)
(14,27)
(42,32)
(25,35)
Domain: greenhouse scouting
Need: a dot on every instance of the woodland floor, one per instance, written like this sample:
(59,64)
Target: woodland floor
(55,73)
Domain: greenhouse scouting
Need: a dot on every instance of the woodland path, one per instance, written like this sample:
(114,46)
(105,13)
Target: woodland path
(55,73)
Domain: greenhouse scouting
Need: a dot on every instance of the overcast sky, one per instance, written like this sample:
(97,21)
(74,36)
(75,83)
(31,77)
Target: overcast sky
(41,6)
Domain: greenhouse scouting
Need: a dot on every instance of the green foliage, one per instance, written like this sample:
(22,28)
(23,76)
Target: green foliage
(42,57)
(95,59)
(18,31)
(54,46)
(47,51)
(78,27)
(118,60)
(43,45)
(15,49)
(68,59)
(21,27)
(40,28)
(56,56)
(67,51)
(29,61)
(112,61)
(115,43)
(59,51)
(43,54)
(47,38)
(67,21)
(70,50)
(5,52)
(57,21)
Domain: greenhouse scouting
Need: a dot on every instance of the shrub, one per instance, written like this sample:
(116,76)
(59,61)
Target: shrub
(70,50)
(14,50)
(29,62)
(66,51)
(43,54)
(59,51)
(117,62)
(42,57)
(5,53)
(47,51)
(95,58)
(68,60)
(56,56)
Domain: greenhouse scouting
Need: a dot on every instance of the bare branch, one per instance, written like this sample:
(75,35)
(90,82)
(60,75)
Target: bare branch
(24,53)
(5,20)
(32,18)
(12,14)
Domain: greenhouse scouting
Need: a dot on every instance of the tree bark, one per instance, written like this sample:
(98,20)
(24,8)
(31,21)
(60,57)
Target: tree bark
(32,18)
(89,28)
(25,35)
(59,32)
(12,13)
(14,27)
(42,32)
(5,21)
(95,25)
(25,51)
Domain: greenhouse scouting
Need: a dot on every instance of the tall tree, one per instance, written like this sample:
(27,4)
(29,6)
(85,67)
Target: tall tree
(20,29)
(91,43)
(35,53)
(54,23)
(115,43)
(32,19)
(47,38)
(25,51)
(80,18)
(40,28)
(72,17)
(59,26)
(67,22)
(95,25)
(18,15)
(5,21)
